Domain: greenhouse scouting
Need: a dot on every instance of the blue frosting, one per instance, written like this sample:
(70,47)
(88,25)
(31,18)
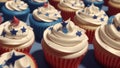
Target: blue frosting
(8,14)
(40,26)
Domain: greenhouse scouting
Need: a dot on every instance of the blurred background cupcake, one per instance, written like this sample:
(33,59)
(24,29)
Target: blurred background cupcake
(15,34)
(98,3)
(16,8)
(14,59)
(114,7)
(107,43)
(89,19)
(54,3)
(69,7)
(33,4)
(43,17)
(63,44)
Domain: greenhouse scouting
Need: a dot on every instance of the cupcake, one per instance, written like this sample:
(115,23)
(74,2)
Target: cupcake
(114,7)
(16,35)
(54,2)
(107,43)
(15,8)
(64,45)
(89,19)
(33,4)
(14,59)
(42,18)
(98,3)
(69,7)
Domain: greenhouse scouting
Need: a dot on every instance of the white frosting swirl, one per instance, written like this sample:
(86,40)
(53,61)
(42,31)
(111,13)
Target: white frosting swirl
(91,16)
(69,42)
(3,0)
(16,5)
(40,1)
(23,62)
(72,4)
(47,14)
(23,37)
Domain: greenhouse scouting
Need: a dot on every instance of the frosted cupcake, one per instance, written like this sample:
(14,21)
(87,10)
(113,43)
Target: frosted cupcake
(69,7)
(42,18)
(33,4)
(16,35)
(98,3)
(89,19)
(14,59)
(63,44)
(16,8)
(107,43)
(114,7)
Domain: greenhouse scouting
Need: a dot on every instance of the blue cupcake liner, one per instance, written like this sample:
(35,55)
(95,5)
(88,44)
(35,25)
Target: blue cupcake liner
(1,4)
(98,4)
(34,5)
(40,26)
(8,14)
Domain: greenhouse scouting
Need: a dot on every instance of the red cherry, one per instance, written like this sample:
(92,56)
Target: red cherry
(15,21)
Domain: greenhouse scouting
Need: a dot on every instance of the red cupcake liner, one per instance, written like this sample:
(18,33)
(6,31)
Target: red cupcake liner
(34,61)
(54,3)
(106,2)
(107,59)
(7,49)
(112,10)
(57,62)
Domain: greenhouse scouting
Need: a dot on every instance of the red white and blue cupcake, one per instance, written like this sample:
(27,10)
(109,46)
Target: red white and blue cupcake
(42,18)
(16,8)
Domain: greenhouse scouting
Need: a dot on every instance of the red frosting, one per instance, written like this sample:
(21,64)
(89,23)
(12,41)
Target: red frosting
(15,21)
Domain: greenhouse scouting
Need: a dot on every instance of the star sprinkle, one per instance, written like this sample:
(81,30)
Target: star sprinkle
(64,29)
(51,28)
(13,31)
(23,29)
(110,20)
(55,15)
(3,33)
(78,33)
(118,28)
(94,17)
(47,14)
(39,12)
(13,59)
(101,19)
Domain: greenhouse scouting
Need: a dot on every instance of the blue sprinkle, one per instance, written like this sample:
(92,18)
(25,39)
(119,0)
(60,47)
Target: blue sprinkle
(94,17)
(51,28)
(3,33)
(78,33)
(47,14)
(110,20)
(55,14)
(64,30)
(39,13)
(101,19)
(23,29)
(118,28)
(13,31)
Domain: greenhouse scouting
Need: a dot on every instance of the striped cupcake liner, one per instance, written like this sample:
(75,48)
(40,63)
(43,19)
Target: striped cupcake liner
(54,3)
(107,59)
(7,49)
(112,10)
(57,62)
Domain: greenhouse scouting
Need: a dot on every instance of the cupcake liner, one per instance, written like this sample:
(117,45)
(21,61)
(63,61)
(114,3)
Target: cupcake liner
(34,61)
(106,2)
(112,10)
(21,15)
(40,26)
(107,59)
(4,49)
(34,5)
(54,3)
(57,62)
(89,32)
